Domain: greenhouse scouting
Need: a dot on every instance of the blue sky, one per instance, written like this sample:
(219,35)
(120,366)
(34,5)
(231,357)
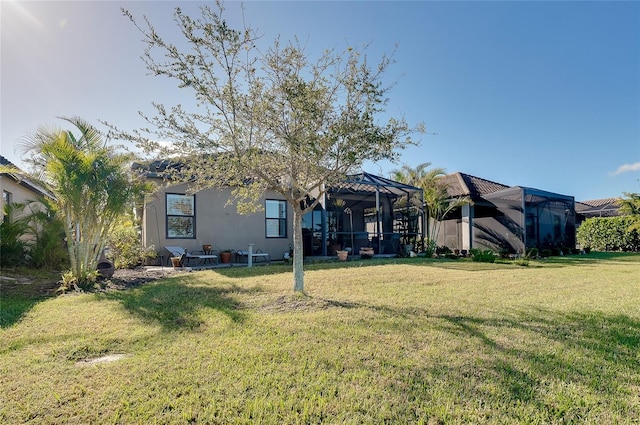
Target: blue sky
(537,94)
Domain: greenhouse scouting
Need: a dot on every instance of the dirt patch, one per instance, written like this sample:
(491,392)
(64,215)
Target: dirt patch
(295,303)
(131,278)
(104,359)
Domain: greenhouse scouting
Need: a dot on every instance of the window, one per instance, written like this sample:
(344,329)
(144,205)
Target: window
(181,216)
(276,218)
(6,200)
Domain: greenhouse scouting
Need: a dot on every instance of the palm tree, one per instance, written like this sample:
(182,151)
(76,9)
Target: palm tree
(435,194)
(630,205)
(91,186)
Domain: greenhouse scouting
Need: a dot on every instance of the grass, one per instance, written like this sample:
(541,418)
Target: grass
(378,341)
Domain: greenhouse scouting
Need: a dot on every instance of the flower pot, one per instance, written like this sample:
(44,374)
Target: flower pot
(106,269)
(366,252)
(342,255)
(225,257)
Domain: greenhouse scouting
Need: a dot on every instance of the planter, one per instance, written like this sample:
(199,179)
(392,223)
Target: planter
(106,269)
(176,262)
(206,249)
(342,255)
(333,248)
(225,257)
(366,253)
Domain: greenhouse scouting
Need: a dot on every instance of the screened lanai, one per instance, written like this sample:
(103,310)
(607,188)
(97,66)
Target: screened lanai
(528,218)
(365,210)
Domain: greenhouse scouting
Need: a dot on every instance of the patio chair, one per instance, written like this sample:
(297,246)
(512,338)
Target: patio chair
(178,251)
(256,256)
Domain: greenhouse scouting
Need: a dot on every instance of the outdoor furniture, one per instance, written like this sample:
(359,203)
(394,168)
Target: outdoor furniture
(178,251)
(243,256)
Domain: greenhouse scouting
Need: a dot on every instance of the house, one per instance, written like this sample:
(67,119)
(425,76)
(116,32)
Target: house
(608,207)
(17,188)
(500,217)
(361,211)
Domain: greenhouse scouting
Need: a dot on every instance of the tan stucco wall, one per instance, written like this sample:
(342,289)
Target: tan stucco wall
(19,193)
(216,224)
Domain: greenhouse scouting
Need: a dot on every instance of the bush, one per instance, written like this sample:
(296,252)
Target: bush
(609,234)
(532,253)
(443,250)
(486,256)
(48,251)
(125,247)
(13,248)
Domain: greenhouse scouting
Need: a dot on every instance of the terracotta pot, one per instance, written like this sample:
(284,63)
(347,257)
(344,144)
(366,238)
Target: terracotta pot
(225,257)
(342,255)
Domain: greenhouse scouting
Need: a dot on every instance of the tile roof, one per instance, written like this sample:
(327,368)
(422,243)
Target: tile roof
(20,178)
(461,184)
(598,207)
(601,202)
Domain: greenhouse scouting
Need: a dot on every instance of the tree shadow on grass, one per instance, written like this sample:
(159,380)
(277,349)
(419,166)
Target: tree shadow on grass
(17,299)
(176,304)
(583,356)
(567,367)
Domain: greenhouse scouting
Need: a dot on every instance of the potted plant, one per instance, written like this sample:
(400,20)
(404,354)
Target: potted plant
(225,256)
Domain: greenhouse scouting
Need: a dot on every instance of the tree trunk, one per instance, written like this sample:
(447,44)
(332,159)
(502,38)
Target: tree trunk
(298,251)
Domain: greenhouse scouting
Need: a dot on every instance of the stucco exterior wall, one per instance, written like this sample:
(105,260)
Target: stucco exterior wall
(215,224)
(19,193)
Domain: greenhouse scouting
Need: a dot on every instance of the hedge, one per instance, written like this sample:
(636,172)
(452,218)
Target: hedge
(609,234)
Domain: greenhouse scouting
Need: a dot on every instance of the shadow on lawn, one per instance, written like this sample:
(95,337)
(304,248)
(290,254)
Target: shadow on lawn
(560,364)
(580,349)
(16,299)
(176,305)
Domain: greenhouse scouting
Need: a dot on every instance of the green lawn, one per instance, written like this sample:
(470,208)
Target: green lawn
(378,341)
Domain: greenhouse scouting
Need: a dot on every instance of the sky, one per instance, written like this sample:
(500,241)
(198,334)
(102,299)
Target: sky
(535,94)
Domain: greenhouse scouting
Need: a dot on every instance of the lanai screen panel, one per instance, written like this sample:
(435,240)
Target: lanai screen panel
(501,226)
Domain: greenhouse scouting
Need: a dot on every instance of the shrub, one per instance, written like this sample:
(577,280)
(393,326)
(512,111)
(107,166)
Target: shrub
(486,256)
(125,247)
(532,253)
(504,253)
(609,234)
(48,251)
(545,253)
(13,248)
(442,250)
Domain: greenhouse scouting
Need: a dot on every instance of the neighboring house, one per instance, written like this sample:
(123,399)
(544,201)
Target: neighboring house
(608,207)
(501,217)
(359,212)
(17,188)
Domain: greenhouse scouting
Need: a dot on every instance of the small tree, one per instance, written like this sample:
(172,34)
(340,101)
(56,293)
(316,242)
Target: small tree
(435,194)
(267,119)
(91,187)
